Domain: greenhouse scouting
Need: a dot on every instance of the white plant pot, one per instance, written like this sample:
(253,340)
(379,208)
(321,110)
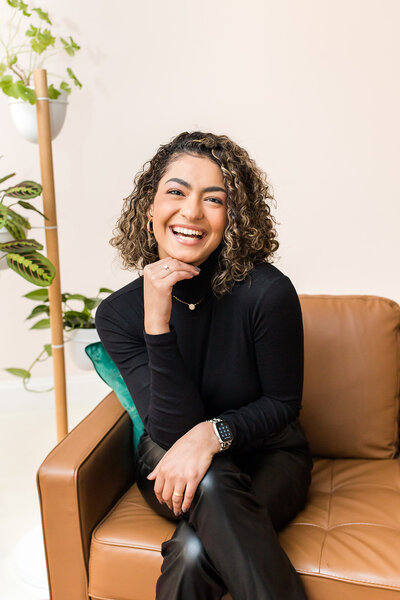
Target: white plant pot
(5,236)
(79,339)
(24,116)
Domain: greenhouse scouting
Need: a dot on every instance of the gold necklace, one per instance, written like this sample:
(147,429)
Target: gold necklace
(191,305)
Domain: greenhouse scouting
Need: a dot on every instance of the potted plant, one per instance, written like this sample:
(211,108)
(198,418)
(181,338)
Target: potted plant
(79,322)
(28,44)
(17,252)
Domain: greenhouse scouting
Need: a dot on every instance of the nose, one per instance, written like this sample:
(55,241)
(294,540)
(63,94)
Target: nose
(192,208)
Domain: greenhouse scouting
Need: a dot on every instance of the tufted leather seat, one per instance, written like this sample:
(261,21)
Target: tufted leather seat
(103,541)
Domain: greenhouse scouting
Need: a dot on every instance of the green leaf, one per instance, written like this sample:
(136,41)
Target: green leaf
(105,290)
(20,246)
(32,266)
(3,214)
(38,310)
(12,61)
(91,303)
(42,324)
(17,89)
(48,349)
(76,313)
(75,319)
(8,86)
(6,177)
(3,68)
(17,219)
(31,207)
(53,93)
(13,222)
(19,5)
(25,190)
(32,31)
(42,15)
(73,77)
(75,297)
(24,8)
(70,47)
(18,372)
(41,39)
(25,93)
(15,230)
(41,295)
(65,86)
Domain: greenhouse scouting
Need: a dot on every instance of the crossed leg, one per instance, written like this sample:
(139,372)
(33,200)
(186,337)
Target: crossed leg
(228,538)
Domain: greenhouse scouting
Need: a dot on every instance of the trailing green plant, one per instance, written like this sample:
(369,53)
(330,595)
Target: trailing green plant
(27,43)
(72,319)
(21,254)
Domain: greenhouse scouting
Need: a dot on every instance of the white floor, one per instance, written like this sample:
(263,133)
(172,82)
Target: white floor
(27,434)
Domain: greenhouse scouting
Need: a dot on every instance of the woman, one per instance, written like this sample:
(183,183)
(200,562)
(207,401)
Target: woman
(209,341)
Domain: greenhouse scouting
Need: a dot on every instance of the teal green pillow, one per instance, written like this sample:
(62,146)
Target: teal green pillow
(108,371)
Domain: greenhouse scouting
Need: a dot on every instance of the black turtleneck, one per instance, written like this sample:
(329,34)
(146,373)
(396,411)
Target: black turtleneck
(239,357)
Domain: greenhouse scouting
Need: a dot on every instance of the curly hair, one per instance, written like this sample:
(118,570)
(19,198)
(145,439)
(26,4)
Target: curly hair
(249,236)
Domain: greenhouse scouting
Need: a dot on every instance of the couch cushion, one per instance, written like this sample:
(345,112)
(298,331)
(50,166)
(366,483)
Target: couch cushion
(351,375)
(347,536)
(348,533)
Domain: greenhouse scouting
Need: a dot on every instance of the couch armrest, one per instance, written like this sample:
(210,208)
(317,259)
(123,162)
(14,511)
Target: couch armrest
(78,483)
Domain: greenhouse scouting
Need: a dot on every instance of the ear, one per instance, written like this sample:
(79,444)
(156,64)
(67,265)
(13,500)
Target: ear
(149,211)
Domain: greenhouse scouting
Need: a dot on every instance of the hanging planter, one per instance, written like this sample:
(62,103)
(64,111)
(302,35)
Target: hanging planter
(28,42)
(24,116)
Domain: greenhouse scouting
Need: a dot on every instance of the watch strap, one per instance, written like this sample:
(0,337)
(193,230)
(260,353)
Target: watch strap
(224,444)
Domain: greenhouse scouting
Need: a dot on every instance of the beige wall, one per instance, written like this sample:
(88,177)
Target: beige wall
(311,89)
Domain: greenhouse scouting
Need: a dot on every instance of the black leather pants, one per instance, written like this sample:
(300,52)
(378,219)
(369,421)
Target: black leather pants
(228,540)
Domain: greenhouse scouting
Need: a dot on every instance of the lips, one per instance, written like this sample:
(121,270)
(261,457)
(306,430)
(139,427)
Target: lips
(189,227)
(203,232)
(187,240)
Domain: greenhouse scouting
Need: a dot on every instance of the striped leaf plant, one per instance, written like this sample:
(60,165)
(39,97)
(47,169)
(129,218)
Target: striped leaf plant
(21,253)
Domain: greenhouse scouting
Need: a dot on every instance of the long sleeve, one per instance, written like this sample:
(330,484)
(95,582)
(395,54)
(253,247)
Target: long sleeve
(153,370)
(279,350)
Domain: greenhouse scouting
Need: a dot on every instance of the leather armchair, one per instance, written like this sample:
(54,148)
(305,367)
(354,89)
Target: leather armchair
(103,542)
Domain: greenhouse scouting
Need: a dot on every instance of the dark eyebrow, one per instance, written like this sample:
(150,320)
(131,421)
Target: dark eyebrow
(212,188)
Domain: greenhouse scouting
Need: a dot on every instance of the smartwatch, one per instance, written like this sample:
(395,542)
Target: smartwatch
(223,433)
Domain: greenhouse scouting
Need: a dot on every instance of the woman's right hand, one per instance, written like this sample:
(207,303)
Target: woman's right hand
(157,291)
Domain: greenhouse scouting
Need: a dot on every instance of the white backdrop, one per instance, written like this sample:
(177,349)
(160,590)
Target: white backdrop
(311,89)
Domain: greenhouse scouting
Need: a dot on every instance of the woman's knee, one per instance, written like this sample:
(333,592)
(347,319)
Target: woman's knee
(223,477)
(184,546)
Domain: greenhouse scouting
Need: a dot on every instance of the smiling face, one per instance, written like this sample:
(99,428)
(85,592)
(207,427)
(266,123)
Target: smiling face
(190,196)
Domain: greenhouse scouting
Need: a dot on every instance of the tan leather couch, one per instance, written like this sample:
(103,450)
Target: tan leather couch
(102,541)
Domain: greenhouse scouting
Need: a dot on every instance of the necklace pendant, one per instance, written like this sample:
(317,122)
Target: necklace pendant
(192,306)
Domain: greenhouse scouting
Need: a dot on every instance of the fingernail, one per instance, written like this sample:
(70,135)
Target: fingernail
(198,269)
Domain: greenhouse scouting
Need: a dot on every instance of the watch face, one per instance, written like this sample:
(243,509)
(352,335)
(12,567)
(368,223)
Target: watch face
(224,431)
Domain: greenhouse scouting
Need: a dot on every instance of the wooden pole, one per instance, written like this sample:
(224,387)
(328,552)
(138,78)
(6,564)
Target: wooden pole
(49,209)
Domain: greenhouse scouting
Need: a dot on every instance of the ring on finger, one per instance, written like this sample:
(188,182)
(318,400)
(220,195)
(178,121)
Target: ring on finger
(177,494)
(166,267)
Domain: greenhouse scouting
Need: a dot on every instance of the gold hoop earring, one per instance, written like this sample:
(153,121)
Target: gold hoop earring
(149,226)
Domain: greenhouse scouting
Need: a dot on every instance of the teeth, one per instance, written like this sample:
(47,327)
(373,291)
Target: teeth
(187,231)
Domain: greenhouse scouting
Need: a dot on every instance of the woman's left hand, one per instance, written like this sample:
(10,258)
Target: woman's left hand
(183,466)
